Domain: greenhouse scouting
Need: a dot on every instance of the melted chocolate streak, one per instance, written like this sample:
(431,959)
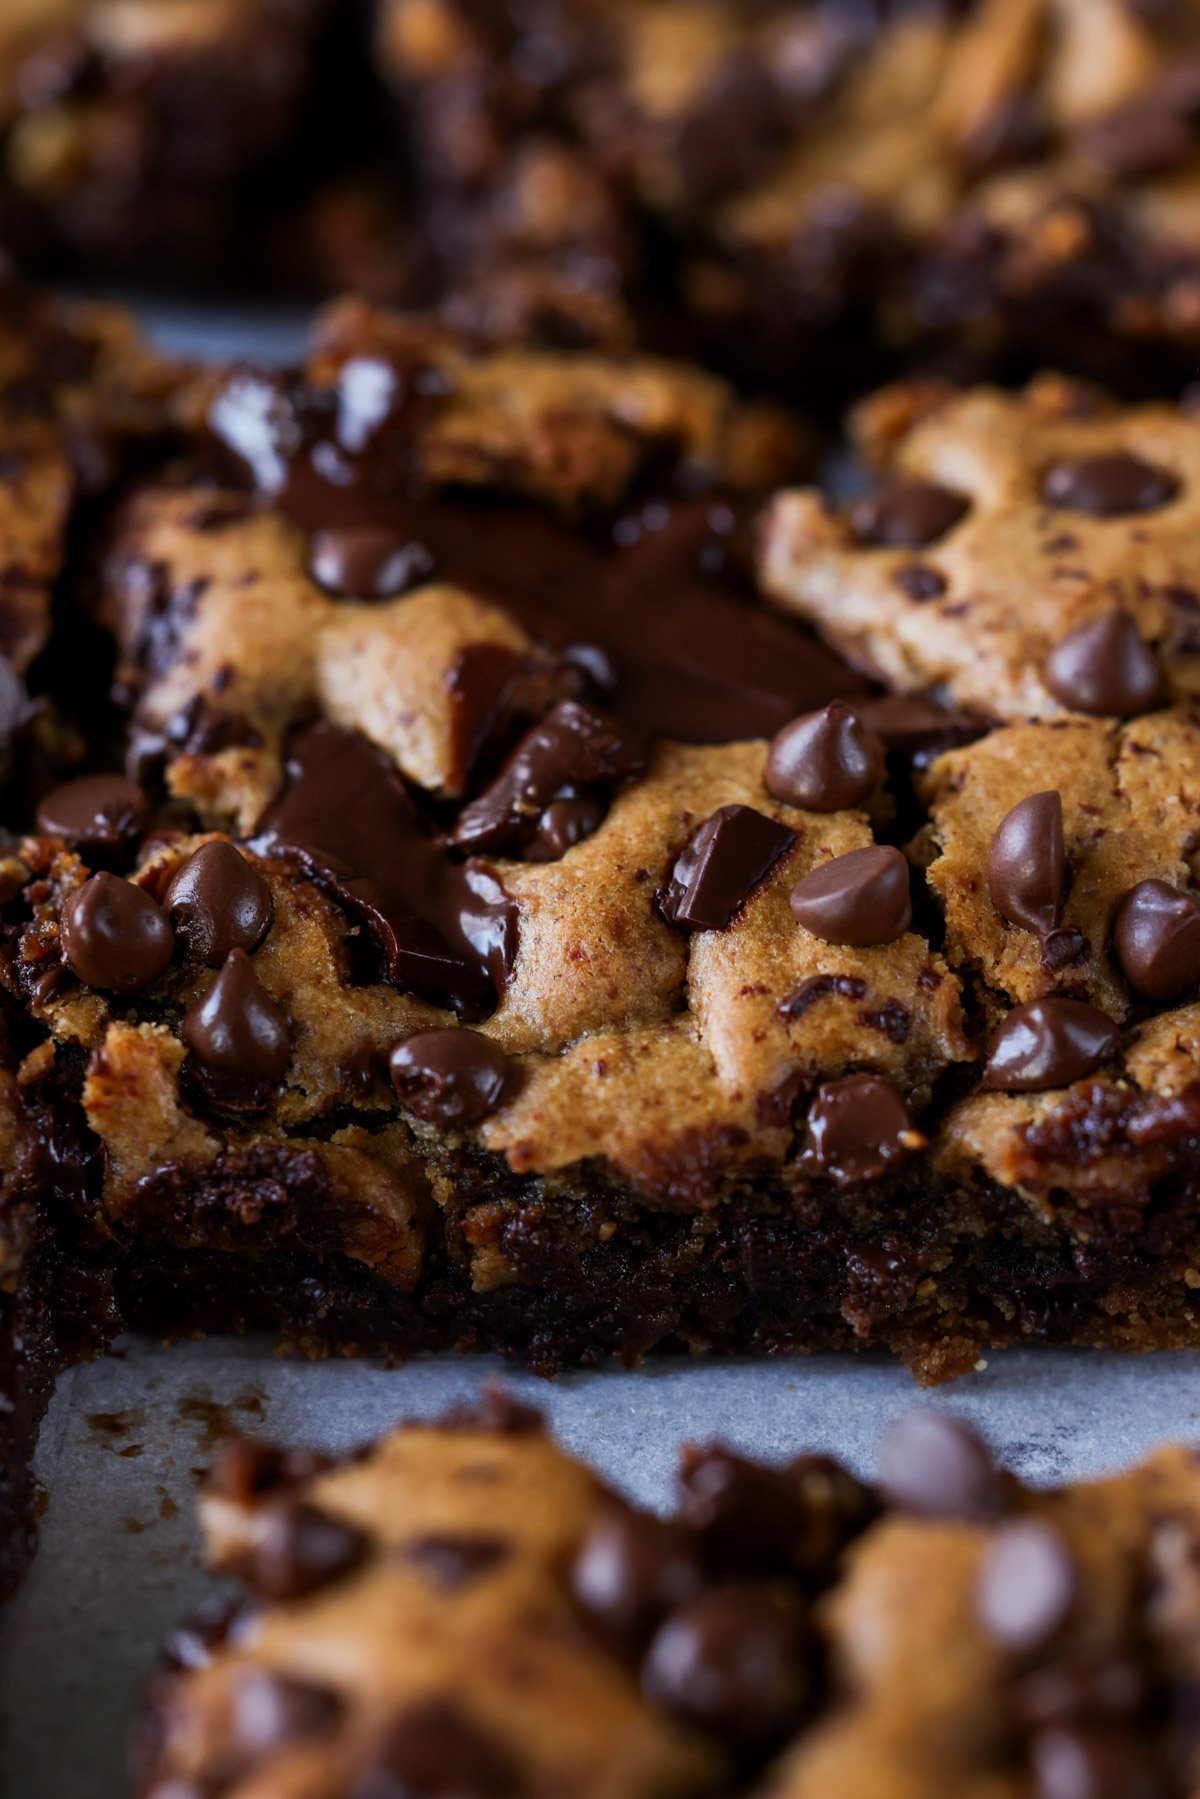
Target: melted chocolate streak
(659,593)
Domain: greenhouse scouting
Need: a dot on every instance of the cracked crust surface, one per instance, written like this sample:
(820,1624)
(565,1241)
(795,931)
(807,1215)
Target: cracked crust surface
(1016,574)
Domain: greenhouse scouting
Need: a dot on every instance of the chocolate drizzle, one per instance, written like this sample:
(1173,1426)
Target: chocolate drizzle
(660,589)
(447,929)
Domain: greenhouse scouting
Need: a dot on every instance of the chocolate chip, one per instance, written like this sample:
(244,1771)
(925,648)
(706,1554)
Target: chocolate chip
(1156,937)
(574,752)
(719,867)
(237,1032)
(1049,1043)
(297,1548)
(1105,668)
(365,562)
(632,1569)
(1027,1586)
(1109,486)
(934,1465)
(218,902)
(1027,863)
(825,761)
(917,728)
(859,899)
(100,816)
(858,1127)
(269,1709)
(451,1078)
(920,582)
(735,1660)
(906,514)
(1101,1762)
(754,1519)
(454,1561)
(114,936)
(436,1751)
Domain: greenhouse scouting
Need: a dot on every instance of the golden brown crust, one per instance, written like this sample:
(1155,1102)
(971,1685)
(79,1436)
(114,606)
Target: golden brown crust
(1017,575)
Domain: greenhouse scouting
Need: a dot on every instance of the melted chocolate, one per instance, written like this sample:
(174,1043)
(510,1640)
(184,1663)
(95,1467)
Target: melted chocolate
(659,590)
(447,929)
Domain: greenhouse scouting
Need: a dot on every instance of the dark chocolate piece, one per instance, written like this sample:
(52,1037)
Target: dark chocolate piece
(1156,936)
(1027,863)
(550,787)
(217,902)
(825,761)
(859,899)
(858,1127)
(101,817)
(1105,668)
(907,514)
(720,866)
(447,929)
(451,1078)
(1111,485)
(114,936)
(1049,1043)
(237,1032)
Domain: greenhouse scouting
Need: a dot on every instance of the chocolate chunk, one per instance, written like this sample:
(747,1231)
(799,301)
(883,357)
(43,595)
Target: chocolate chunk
(238,1034)
(825,761)
(751,1519)
(907,514)
(447,930)
(567,755)
(632,1569)
(365,562)
(916,728)
(858,1128)
(451,1078)
(269,1709)
(436,1751)
(1027,863)
(218,902)
(102,817)
(1105,668)
(1111,485)
(1049,1043)
(1027,1586)
(297,1548)
(455,1561)
(720,866)
(920,582)
(562,825)
(114,936)
(858,899)
(1100,1762)
(735,1660)
(1156,937)
(934,1465)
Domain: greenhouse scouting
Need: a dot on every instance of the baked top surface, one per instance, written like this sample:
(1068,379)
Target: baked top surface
(785,1630)
(471,856)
